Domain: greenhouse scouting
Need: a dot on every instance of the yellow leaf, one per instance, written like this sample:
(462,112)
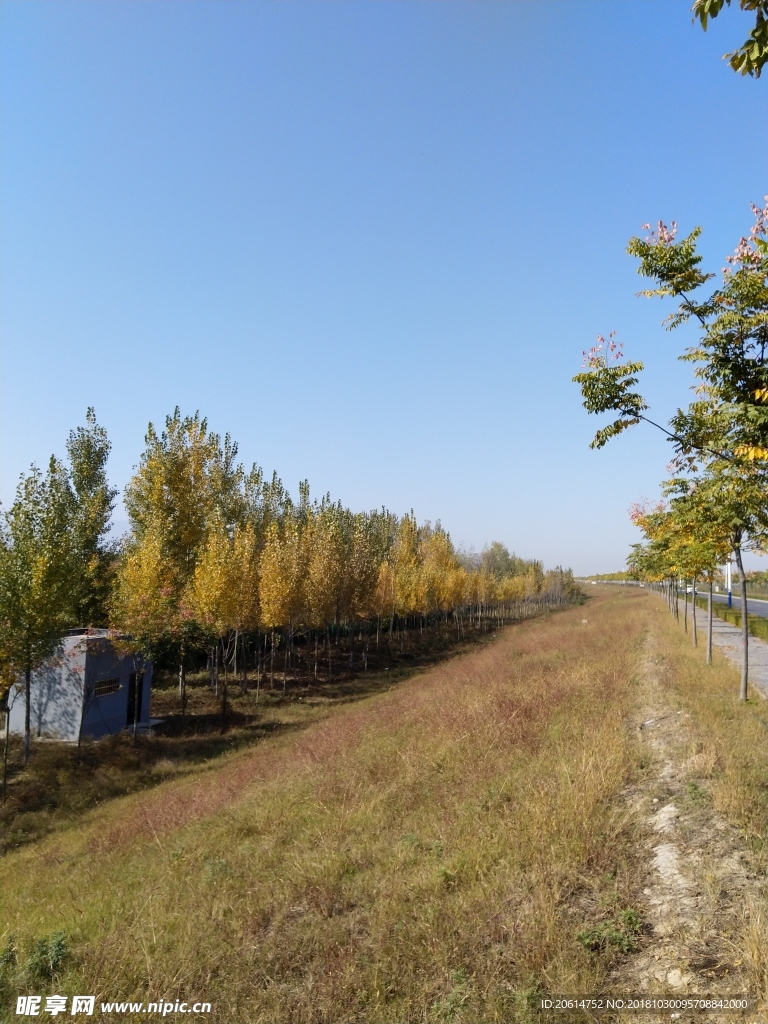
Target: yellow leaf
(751,452)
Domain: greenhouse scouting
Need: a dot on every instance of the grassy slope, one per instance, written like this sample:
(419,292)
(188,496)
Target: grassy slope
(61,782)
(427,854)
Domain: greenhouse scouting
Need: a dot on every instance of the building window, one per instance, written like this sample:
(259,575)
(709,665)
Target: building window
(105,686)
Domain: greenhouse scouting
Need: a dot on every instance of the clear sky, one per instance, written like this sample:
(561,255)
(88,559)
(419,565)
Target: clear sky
(369,240)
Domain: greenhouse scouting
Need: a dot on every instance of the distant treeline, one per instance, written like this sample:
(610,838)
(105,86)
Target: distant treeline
(609,577)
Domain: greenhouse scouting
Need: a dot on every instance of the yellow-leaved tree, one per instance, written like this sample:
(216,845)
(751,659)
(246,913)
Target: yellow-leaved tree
(144,606)
(282,572)
(187,481)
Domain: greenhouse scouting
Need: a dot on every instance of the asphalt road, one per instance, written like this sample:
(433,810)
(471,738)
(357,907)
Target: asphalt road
(755,606)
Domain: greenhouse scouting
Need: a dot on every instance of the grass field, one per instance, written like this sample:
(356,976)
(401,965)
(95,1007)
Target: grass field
(62,781)
(435,852)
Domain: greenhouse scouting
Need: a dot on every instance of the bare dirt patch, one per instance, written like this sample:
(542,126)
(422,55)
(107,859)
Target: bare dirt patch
(699,888)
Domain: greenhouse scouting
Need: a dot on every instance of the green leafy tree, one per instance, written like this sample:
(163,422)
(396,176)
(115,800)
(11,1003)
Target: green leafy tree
(39,583)
(94,500)
(731,356)
(751,56)
(724,432)
(497,560)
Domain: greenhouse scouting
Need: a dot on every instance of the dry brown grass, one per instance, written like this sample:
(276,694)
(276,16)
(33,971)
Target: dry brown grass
(61,782)
(426,854)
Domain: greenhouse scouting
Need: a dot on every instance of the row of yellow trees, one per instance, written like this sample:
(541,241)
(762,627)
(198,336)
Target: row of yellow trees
(219,558)
(220,562)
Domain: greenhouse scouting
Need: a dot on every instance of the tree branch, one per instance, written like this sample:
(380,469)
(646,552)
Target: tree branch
(676,437)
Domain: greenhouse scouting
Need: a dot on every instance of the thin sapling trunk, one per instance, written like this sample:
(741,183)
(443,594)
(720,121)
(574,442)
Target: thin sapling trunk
(27,711)
(5,748)
(709,624)
(744,624)
(136,708)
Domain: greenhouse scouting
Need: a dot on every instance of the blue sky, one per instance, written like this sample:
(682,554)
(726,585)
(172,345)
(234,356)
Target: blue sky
(369,240)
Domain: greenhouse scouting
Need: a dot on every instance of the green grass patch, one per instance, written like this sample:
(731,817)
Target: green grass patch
(620,932)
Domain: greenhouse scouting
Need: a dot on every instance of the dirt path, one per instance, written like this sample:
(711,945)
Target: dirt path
(698,889)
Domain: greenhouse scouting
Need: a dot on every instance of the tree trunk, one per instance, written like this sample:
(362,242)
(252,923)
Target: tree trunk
(83,706)
(709,624)
(258,676)
(244,683)
(693,613)
(272,663)
(685,613)
(136,708)
(5,749)
(259,662)
(285,666)
(224,699)
(27,711)
(183,686)
(744,624)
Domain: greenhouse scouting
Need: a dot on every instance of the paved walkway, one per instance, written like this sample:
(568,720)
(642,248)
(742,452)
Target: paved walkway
(727,638)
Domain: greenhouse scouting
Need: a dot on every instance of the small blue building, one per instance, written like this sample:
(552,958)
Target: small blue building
(88,688)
